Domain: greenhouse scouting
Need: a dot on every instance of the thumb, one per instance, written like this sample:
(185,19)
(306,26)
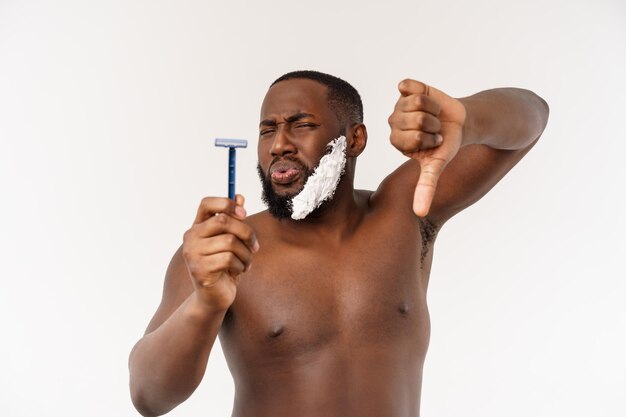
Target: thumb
(426,186)
(239,210)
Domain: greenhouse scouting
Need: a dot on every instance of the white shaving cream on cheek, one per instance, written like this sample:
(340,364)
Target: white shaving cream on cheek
(321,185)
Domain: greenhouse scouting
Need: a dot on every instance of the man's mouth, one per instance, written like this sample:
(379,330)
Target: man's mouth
(285,172)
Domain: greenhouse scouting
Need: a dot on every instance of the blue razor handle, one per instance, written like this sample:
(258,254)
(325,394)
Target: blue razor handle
(232,157)
(232,145)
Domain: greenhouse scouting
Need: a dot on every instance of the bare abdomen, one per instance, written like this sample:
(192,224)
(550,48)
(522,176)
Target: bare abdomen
(367,366)
(334,381)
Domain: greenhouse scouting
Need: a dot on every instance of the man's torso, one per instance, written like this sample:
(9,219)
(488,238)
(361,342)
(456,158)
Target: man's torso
(332,326)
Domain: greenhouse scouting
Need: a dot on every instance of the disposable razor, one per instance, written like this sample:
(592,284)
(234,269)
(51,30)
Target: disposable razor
(232,145)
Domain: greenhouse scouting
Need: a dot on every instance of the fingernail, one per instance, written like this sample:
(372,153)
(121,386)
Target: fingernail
(256,246)
(240,211)
(439,140)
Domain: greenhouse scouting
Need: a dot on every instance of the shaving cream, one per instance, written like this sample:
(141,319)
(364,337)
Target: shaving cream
(321,185)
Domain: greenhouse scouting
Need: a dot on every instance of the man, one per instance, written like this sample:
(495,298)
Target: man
(326,315)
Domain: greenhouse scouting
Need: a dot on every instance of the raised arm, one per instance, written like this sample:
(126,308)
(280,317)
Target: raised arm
(459,148)
(169,361)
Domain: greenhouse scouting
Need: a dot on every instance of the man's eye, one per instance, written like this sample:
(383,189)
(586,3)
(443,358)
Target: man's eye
(265,132)
(305,125)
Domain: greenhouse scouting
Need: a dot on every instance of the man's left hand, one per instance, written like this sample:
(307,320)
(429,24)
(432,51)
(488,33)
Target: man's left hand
(426,125)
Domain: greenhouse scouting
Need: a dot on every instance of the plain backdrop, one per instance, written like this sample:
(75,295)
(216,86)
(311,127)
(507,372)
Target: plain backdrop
(108,110)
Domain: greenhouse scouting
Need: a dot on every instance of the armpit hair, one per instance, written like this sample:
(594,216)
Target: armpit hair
(428,230)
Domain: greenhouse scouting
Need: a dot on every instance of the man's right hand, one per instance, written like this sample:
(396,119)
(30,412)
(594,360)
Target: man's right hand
(217,249)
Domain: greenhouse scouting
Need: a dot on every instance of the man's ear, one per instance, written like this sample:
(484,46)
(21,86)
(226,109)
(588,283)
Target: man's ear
(356,139)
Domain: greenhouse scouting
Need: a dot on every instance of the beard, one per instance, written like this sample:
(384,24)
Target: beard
(318,189)
(279,205)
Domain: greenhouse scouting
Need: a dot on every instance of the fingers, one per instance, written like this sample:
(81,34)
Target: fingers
(221,243)
(225,243)
(426,186)
(415,121)
(206,266)
(210,206)
(414,131)
(224,261)
(417,102)
(219,230)
(220,224)
(411,141)
(408,87)
(239,200)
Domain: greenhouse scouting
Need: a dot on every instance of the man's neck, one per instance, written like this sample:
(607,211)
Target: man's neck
(334,220)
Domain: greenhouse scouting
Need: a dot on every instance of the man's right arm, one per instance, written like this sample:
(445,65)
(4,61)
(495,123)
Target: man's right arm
(169,361)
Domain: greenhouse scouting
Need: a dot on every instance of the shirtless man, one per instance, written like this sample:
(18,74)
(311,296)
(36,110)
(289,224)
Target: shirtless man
(327,316)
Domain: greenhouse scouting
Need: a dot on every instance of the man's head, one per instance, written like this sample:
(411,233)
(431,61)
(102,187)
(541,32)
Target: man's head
(344,100)
(302,113)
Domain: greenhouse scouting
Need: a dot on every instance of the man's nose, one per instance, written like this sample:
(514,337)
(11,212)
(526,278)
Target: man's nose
(282,144)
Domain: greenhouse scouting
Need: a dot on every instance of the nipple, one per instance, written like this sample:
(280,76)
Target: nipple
(276,331)
(403,308)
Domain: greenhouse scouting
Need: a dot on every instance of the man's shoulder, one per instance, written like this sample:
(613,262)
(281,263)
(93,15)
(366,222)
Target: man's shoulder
(395,192)
(259,219)
(258,216)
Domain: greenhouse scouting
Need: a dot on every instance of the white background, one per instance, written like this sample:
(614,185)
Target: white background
(108,110)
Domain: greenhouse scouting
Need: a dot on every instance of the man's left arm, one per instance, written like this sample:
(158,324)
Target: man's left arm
(461,147)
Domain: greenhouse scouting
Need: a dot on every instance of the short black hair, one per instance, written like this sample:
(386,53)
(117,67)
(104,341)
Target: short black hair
(343,99)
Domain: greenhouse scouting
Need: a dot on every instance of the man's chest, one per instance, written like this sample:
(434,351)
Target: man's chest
(297,299)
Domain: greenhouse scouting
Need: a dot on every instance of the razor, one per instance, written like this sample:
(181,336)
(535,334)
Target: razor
(232,145)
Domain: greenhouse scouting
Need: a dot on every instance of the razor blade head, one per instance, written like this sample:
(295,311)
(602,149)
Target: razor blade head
(231,143)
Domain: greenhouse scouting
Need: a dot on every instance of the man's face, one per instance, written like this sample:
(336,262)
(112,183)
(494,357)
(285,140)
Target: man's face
(296,126)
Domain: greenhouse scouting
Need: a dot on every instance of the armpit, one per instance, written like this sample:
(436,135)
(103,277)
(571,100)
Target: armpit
(428,230)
